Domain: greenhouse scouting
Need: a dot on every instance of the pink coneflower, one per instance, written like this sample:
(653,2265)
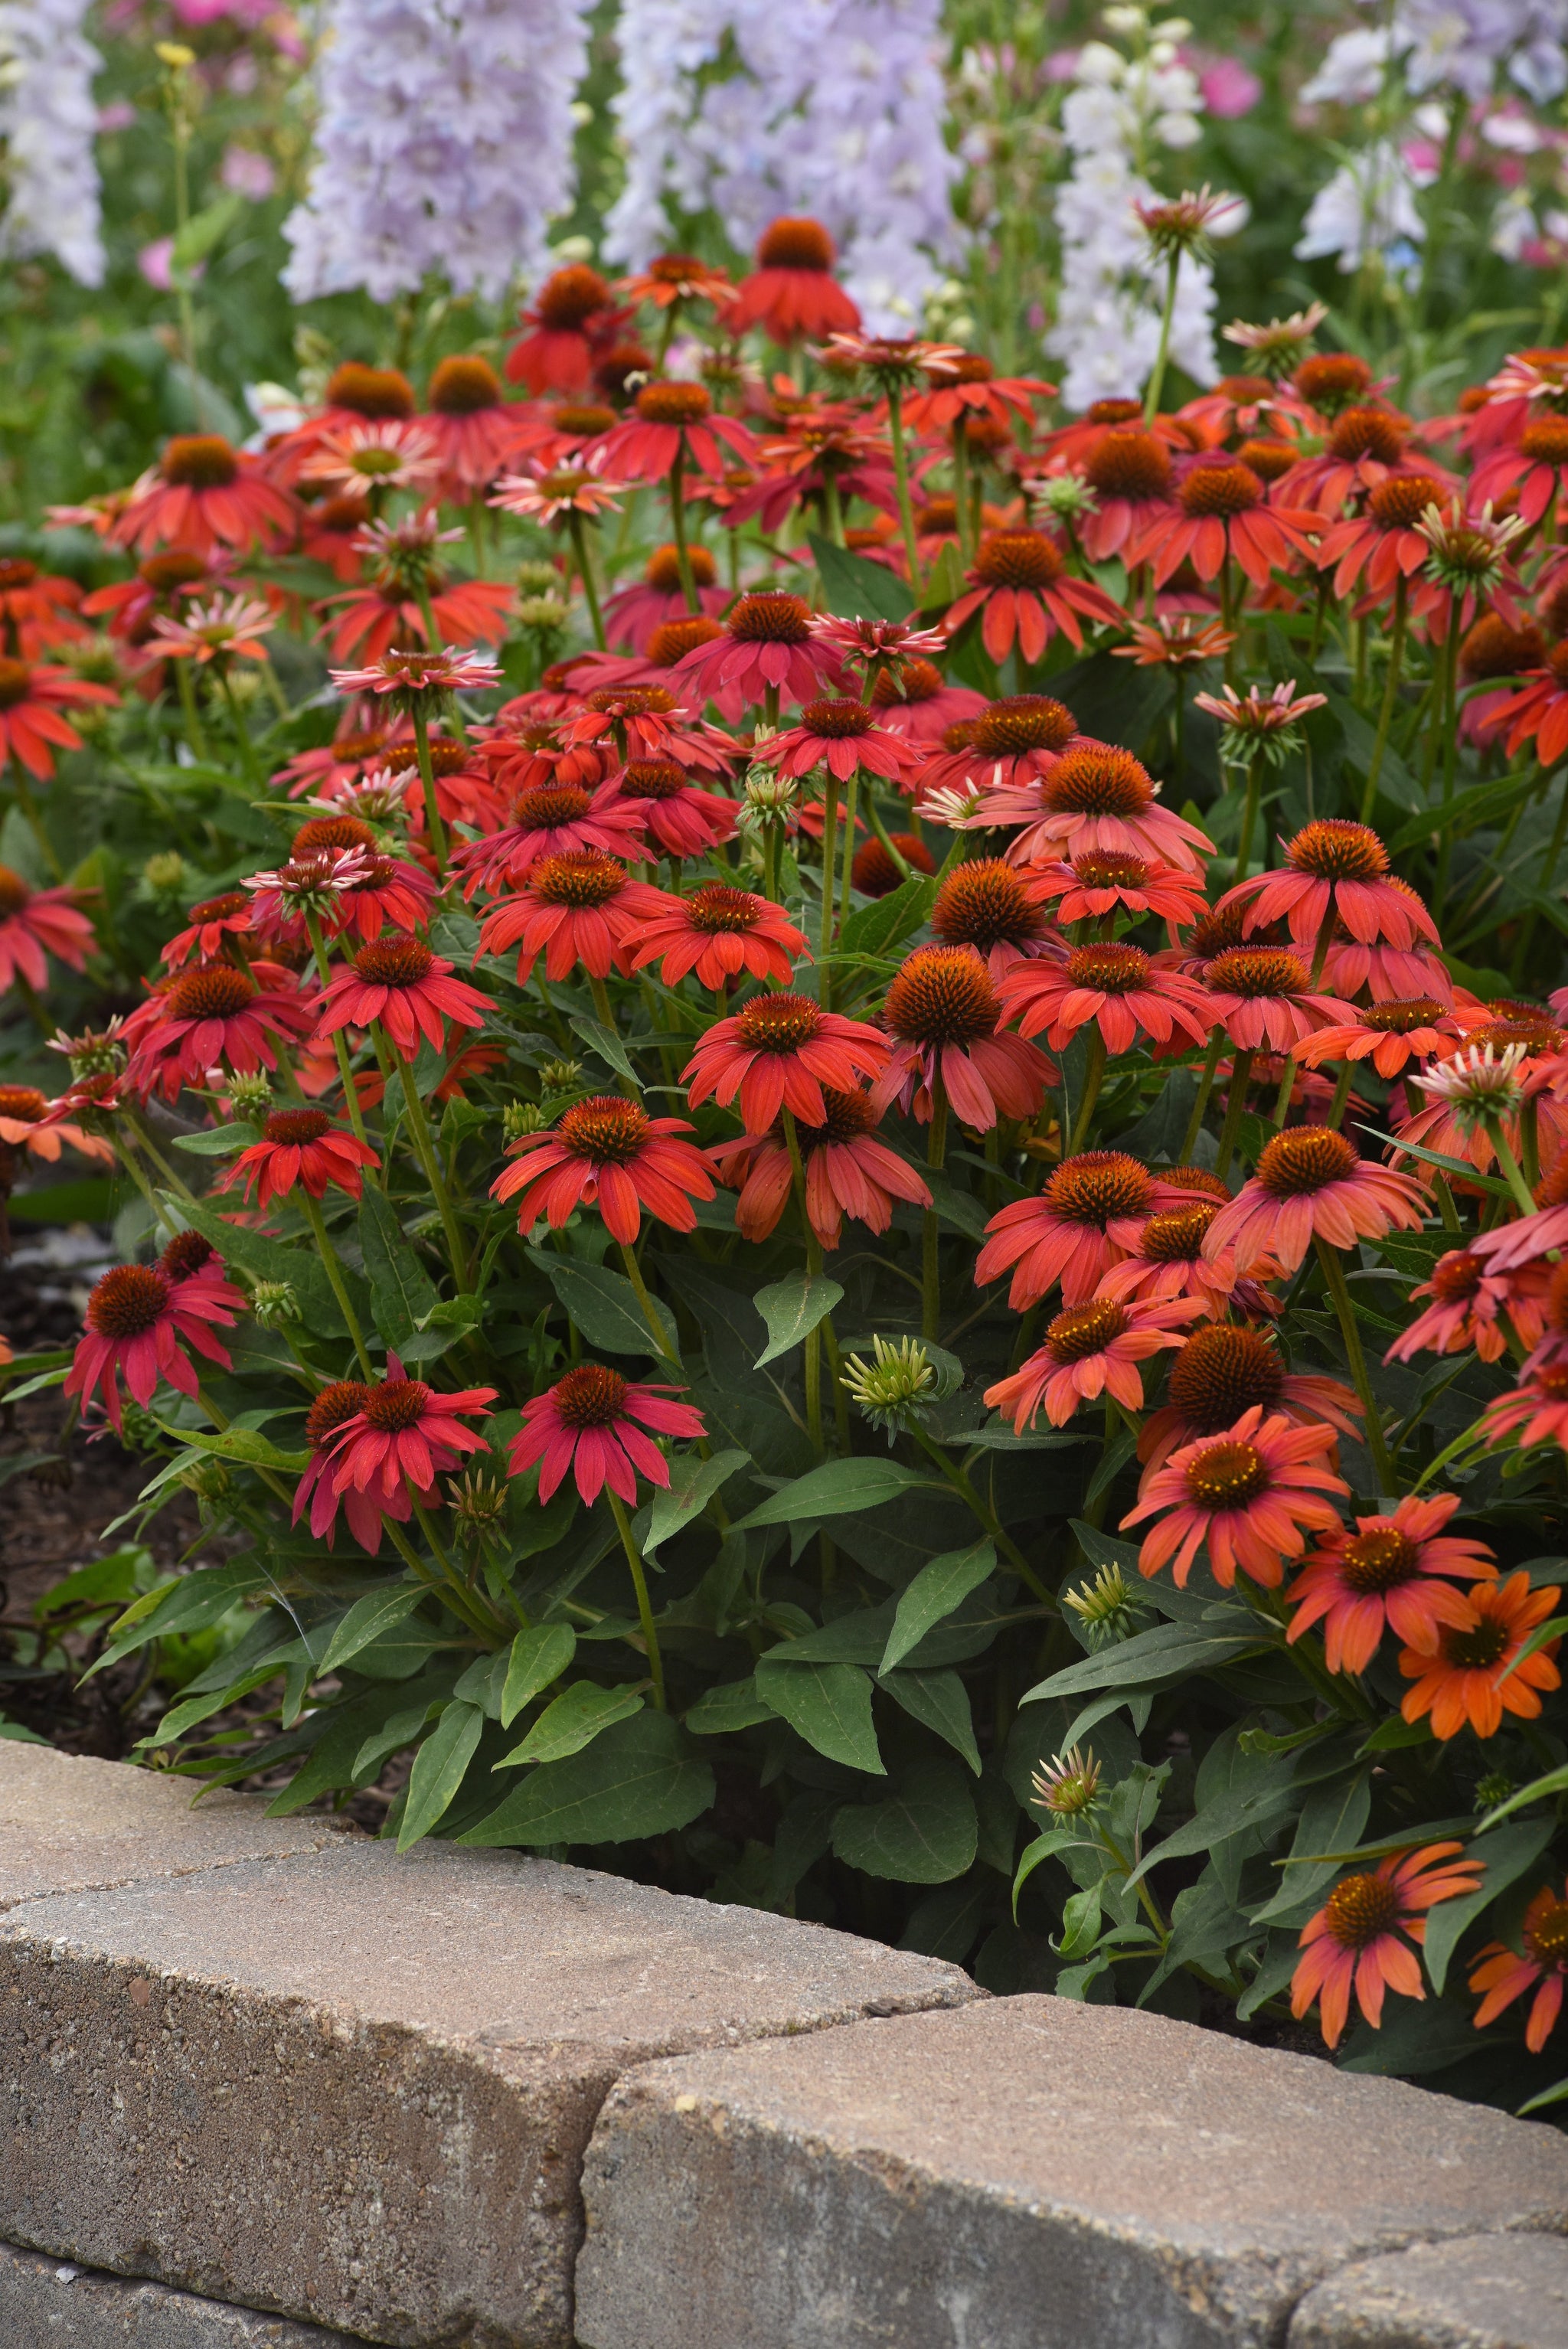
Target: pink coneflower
(850,1171)
(718,932)
(1334,867)
(1104,881)
(393,454)
(1262,999)
(593,1421)
(1474,1304)
(1357,1941)
(1504,1974)
(843,737)
(945,1016)
(32,727)
(779,1052)
(1096,800)
(608,1154)
(300,1145)
(1020,582)
(1224,1370)
(1390,1035)
(137,1323)
(397,983)
(1247,1493)
(338,1402)
(582,908)
(231,627)
(404,1435)
(546,493)
(767,646)
(202,494)
(1090,1351)
(1310,1184)
(1108,984)
(1476,1670)
(309,885)
(214,1015)
(36,922)
(1387,1575)
(416,674)
(1089,1214)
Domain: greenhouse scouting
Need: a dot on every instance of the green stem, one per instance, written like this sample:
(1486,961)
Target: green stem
(243,742)
(984,1515)
(874,818)
(1390,697)
(901,485)
(333,1268)
(1093,1077)
(1341,1093)
(340,1041)
(1340,1291)
(1240,1069)
(645,1307)
(640,1584)
(586,573)
(1513,1174)
(1248,814)
(930,1256)
(1282,1098)
(961,494)
(678,531)
(433,822)
(195,732)
(454,1595)
(1161,357)
(811,1357)
(425,1149)
(829,858)
(1205,1087)
(1448,727)
(851,794)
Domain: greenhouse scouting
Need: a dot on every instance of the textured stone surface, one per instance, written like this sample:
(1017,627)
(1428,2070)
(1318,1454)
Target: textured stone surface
(45,2304)
(1024,2174)
(1487,2292)
(68,1823)
(356,2088)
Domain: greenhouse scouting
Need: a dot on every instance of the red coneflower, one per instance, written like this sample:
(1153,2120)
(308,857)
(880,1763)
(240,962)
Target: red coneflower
(1088,1217)
(338,1402)
(645,721)
(1333,868)
(397,983)
(873,872)
(632,614)
(1383,541)
(364,621)
(608,1154)
(214,1015)
(29,1122)
(36,922)
(1247,1493)
(137,1323)
(1474,1672)
(989,907)
(403,1436)
(791,294)
(1221,514)
(1021,581)
(391,895)
(1474,1304)
(779,1052)
(474,429)
(1309,1184)
(583,907)
(680,817)
(1110,984)
(1390,1035)
(1098,800)
(1007,746)
(593,1421)
(1538,711)
(849,1172)
(767,646)
(1354,1940)
(1168,1261)
(37,608)
(1263,999)
(1536,1411)
(1129,470)
(1504,1974)
(202,494)
(964,386)
(671,420)
(1387,1575)
(915,699)
(300,1145)
(1090,1351)
(572,318)
(672,277)
(1534,468)
(718,932)
(553,819)
(842,736)
(1366,448)
(1105,881)
(31,700)
(943,1015)
(1224,1370)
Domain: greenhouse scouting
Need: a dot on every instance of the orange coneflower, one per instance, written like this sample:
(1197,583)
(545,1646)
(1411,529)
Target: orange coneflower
(36,922)
(1263,999)
(718,932)
(579,906)
(791,294)
(32,727)
(988,905)
(1221,514)
(1106,881)
(1109,983)
(1096,798)
(1504,1974)
(1089,1215)
(397,983)
(1474,1673)
(1389,1034)
(300,1145)
(780,1052)
(572,319)
(1355,1941)
(1335,868)
(1020,582)
(475,431)
(1385,1577)
(1474,1303)
(202,494)
(593,1421)
(945,1016)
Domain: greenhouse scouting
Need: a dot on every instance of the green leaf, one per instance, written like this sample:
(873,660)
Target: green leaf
(927,1832)
(18,1464)
(1332,1817)
(939,1701)
(735,1705)
(853,588)
(603,1305)
(19,1735)
(838,1488)
(1169,1651)
(792,1308)
(401,1292)
(606,1043)
(187,1602)
(245,1445)
(829,1705)
(638,1779)
(573,1719)
(378,1611)
(934,1594)
(874,930)
(537,1656)
(437,1772)
(220,1142)
(1081,1922)
(266,1259)
(957,1207)
(1255,1803)
(1505,1856)
(693,1483)
(203,233)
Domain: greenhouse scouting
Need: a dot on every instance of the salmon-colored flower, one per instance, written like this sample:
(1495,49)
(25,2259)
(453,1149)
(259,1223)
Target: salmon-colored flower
(1129,469)
(718,932)
(767,644)
(680,816)
(580,908)
(1248,1493)
(1505,1974)
(1224,1370)
(1360,1939)
(137,1323)
(1090,1351)
(1474,1673)
(1366,447)
(1387,1575)
(606,1153)
(1110,984)
(36,922)
(39,1127)
(1334,867)
(211,1016)
(1168,1261)
(31,727)
(594,1422)
(843,737)
(1390,1035)
(671,420)
(1088,1217)
(397,983)
(779,1051)
(1382,542)
(633,614)
(943,1015)
(1096,800)
(850,1171)
(572,319)
(1021,584)
(1263,998)
(1310,1184)
(1532,470)
(913,697)
(300,1145)
(1107,880)
(404,1435)
(1004,746)
(1536,1411)
(475,430)
(1474,1303)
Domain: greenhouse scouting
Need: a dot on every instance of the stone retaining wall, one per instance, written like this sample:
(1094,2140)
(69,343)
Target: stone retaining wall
(269,2086)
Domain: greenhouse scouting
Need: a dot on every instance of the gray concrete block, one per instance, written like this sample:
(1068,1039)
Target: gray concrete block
(356,2088)
(1483,2291)
(69,1823)
(45,2304)
(1026,2173)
